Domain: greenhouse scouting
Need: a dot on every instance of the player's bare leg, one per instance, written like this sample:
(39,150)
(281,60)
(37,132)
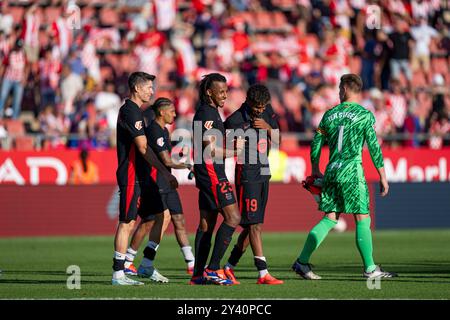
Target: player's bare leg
(315,237)
(142,230)
(250,235)
(183,241)
(363,237)
(146,269)
(123,232)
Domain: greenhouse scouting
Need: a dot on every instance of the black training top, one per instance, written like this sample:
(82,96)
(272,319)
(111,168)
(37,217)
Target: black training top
(208,171)
(159,140)
(130,124)
(256,165)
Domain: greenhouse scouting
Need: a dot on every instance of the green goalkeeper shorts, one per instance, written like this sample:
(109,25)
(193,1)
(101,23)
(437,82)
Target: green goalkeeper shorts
(345,193)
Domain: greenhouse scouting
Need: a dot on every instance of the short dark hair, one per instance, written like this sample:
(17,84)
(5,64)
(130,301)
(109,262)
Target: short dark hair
(207,82)
(159,104)
(352,82)
(258,94)
(138,78)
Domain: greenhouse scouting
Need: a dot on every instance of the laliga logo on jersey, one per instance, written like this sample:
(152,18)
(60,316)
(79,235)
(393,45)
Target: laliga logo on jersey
(138,125)
(208,124)
(160,141)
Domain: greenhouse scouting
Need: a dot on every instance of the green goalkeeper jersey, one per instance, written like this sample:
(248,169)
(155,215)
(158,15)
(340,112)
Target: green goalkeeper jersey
(345,128)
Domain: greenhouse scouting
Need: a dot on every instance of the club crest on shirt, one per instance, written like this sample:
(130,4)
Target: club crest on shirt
(160,141)
(208,124)
(138,125)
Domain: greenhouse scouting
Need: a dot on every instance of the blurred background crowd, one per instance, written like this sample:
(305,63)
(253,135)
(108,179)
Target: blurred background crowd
(64,64)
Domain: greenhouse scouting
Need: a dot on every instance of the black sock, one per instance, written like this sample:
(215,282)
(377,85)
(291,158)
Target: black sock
(202,247)
(260,264)
(235,256)
(149,253)
(118,264)
(223,238)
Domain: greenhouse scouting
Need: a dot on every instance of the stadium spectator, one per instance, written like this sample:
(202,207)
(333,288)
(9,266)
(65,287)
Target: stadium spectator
(397,105)
(14,74)
(55,126)
(306,44)
(71,86)
(49,70)
(401,44)
(6,19)
(83,170)
(30,33)
(423,34)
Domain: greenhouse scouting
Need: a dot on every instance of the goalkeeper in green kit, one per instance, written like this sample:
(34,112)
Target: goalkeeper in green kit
(345,127)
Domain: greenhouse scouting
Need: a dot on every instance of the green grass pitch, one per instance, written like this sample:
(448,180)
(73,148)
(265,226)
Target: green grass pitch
(36,268)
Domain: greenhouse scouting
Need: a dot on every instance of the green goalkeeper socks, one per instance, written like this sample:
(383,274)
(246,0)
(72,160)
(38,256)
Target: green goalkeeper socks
(315,238)
(364,243)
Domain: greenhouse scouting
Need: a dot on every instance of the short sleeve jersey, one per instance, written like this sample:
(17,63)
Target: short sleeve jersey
(131,165)
(207,169)
(255,167)
(159,140)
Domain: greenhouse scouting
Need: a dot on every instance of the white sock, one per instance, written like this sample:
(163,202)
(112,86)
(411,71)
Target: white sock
(118,256)
(262,273)
(118,274)
(187,253)
(229,265)
(146,263)
(131,254)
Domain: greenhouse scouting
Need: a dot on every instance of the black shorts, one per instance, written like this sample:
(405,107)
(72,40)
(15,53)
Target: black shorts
(252,201)
(159,202)
(216,196)
(132,200)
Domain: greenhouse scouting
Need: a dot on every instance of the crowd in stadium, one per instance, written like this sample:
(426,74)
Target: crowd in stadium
(64,64)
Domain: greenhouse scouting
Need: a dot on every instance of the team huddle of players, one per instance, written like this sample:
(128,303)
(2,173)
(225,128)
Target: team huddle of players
(148,189)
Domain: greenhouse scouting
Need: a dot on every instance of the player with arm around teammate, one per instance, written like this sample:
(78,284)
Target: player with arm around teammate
(166,199)
(134,156)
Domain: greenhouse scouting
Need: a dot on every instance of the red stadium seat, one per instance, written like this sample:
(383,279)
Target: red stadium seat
(17,13)
(263,20)
(439,65)
(418,79)
(279,20)
(15,127)
(24,143)
(52,14)
(109,17)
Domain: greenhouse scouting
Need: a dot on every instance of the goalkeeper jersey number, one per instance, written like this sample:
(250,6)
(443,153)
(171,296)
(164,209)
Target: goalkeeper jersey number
(346,128)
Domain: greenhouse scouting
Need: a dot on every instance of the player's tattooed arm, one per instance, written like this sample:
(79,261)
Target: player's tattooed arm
(168,162)
(152,159)
(219,152)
